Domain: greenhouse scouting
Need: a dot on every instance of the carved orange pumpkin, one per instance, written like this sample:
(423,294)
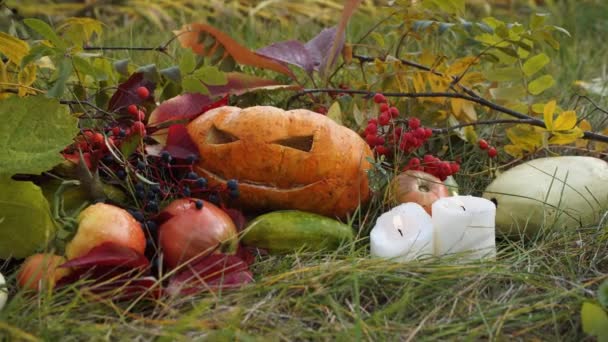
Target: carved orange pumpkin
(293,159)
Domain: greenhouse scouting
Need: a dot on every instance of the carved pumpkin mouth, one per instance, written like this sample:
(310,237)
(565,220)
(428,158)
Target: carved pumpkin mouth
(255,185)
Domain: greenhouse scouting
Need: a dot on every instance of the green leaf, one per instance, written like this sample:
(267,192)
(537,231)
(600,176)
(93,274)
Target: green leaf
(335,113)
(188,62)
(63,73)
(537,20)
(508,93)
(211,75)
(13,48)
(503,74)
(80,30)
(534,64)
(602,294)
(595,321)
(172,73)
(45,31)
(541,84)
(35,129)
(38,52)
(84,66)
(25,219)
(193,85)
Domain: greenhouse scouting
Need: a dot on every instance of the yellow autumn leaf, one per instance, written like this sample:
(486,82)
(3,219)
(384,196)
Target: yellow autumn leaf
(13,48)
(514,150)
(26,78)
(548,114)
(585,126)
(461,65)
(566,137)
(600,146)
(565,121)
(526,136)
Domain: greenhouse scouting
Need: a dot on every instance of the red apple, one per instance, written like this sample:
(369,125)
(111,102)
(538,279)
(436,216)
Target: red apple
(41,271)
(190,232)
(101,223)
(418,187)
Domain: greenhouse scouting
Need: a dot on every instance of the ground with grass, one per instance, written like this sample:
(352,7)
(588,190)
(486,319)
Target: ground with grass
(534,289)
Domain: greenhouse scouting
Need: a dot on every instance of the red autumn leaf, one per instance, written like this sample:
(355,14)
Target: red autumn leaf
(206,40)
(213,272)
(127,288)
(184,108)
(245,254)
(179,144)
(109,254)
(237,217)
(126,93)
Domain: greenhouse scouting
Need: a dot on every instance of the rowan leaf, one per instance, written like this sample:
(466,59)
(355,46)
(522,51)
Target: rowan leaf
(206,40)
(335,112)
(46,31)
(541,84)
(13,48)
(548,111)
(565,121)
(535,64)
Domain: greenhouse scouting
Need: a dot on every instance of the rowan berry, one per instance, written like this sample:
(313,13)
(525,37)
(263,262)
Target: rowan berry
(379,98)
(483,144)
(492,152)
(142,92)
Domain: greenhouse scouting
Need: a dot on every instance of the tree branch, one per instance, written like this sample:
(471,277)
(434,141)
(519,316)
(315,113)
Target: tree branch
(479,100)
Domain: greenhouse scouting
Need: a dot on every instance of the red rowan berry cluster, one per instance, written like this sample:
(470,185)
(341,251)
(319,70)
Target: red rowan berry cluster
(386,134)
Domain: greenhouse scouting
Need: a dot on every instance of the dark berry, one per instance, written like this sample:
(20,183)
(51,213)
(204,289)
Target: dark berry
(121,174)
(140,194)
(191,159)
(186,191)
(152,227)
(122,133)
(142,92)
(192,175)
(198,204)
(107,158)
(232,184)
(152,206)
(215,199)
(201,182)
(155,188)
(234,193)
(139,186)
(165,156)
(141,166)
(138,216)
(151,196)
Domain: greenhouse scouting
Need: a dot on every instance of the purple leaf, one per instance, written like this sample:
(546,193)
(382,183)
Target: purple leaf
(125,95)
(179,143)
(292,52)
(184,107)
(321,45)
(215,271)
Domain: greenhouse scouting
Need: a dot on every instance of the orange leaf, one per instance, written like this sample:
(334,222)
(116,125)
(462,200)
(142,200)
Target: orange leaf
(207,41)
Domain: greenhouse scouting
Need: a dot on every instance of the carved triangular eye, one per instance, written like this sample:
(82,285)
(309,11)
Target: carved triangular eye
(299,143)
(217,136)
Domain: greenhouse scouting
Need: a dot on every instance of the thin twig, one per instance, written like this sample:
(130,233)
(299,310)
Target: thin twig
(118,48)
(480,123)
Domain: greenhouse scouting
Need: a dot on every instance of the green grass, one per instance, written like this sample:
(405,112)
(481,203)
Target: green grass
(533,290)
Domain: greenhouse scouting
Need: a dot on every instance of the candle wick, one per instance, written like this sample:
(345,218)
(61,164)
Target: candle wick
(463,208)
(400,232)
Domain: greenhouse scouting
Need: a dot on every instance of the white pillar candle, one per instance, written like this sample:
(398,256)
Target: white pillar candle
(464,224)
(3,292)
(404,233)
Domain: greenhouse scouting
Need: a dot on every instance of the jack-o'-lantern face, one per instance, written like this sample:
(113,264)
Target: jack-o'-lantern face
(294,159)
